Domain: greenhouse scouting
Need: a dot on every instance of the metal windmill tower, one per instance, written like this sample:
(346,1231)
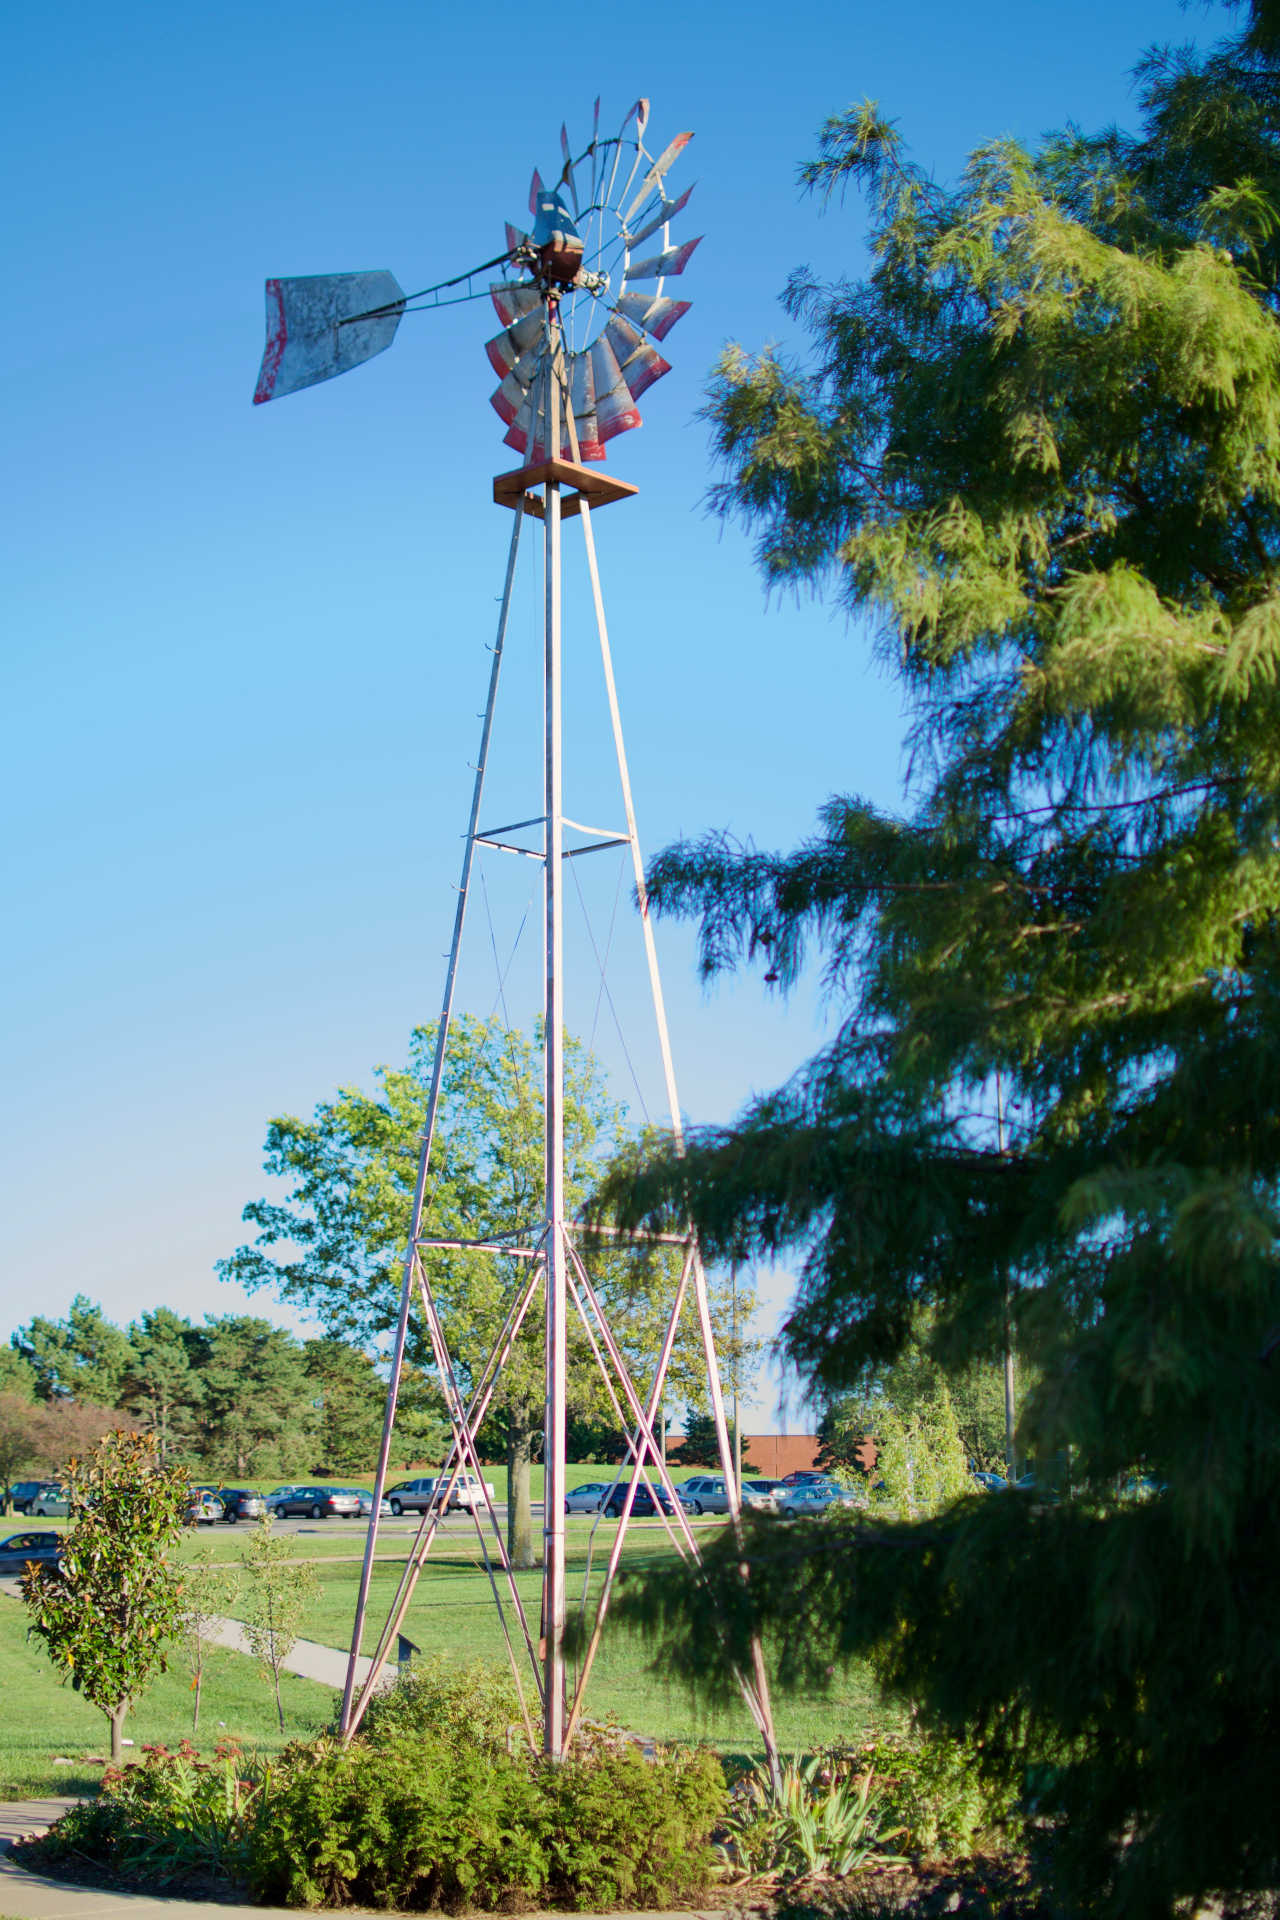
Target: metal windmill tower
(581,303)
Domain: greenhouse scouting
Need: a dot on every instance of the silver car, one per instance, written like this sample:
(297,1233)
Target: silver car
(704,1493)
(587,1498)
(813,1497)
(51,1503)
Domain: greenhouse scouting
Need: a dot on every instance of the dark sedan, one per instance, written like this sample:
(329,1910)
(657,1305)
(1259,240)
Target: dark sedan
(642,1504)
(19,1548)
(320,1503)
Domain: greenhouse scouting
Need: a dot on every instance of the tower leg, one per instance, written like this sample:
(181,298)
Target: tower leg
(557,1294)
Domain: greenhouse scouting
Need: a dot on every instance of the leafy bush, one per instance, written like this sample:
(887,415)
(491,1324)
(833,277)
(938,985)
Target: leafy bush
(817,1820)
(418,1819)
(417,1823)
(626,1831)
(170,1819)
(476,1703)
(940,1791)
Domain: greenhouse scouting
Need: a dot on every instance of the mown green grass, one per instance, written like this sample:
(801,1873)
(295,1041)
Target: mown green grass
(42,1720)
(452,1614)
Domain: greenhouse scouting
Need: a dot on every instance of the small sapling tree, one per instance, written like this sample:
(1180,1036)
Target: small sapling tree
(209,1591)
(276,1591)
(107,1611)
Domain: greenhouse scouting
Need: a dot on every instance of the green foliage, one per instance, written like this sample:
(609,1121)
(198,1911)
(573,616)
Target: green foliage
(813,1820)
(1037,445)
(422,1821)
(17,1376)
(922,1461)
(82,1357)
(699,1446)
(461,1702)
(939,1791)
(107,1610)
(161,1383)
(210,1588)
(276,1590)
(170,1821)
(350,1396)
(351,1173)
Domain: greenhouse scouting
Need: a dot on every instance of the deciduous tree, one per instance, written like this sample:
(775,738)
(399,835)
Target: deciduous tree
(277,1588)
(351,1174)
(107,1611)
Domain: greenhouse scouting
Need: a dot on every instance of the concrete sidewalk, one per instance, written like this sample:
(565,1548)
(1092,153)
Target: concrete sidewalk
(308,1658)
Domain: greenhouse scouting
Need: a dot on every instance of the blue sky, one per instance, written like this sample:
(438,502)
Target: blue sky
(244,648)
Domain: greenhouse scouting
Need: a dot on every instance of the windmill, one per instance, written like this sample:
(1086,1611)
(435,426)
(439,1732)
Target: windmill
(581,302)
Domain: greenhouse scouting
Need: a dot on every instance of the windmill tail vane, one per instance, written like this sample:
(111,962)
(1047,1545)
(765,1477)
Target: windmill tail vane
(582,303)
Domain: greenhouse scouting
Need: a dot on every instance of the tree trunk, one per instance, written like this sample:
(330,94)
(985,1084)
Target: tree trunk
(520,1432)
(275,1675)
(116,1717)
(195,1716)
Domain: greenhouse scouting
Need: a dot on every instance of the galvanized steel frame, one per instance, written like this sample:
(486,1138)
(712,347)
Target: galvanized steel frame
(556,1261)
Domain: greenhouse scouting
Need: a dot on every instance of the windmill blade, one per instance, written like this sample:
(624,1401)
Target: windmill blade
(655,173)
(615,409)
(667,211)
(585,419)
(659,265)
(639,363)
(566,170)
(313,333)
(513,299)
(515,239)
(653,313)
(506,348)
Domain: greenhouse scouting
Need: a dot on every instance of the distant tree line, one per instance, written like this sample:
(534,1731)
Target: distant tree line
(232,1398)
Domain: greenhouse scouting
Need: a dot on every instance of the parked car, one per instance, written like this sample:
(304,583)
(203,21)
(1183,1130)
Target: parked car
(643,1504)
(365,1497)
(762,1495)
(20,1549)
(801,1476)
(276,1495)
(51,1503)
(242,1503)
(320,1503)
(587,1498)
(704,1493)
(989,1482)
(417,1496)
(203,1508)
(25,1491)
(813,1499)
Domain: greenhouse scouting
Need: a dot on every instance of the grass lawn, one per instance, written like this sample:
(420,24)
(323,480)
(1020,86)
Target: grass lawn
(452,1613)
(41,1720)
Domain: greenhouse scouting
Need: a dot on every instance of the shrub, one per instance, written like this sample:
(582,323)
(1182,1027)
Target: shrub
(418,1819)
(626,1831)
(941,1791)
(416,1823)
(475,1703)
(171,1819)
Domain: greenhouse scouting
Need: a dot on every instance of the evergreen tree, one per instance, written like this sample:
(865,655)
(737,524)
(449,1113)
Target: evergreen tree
(256,1413)
(80,1358)
(348,1395)
(1039,445)
(161,1385)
